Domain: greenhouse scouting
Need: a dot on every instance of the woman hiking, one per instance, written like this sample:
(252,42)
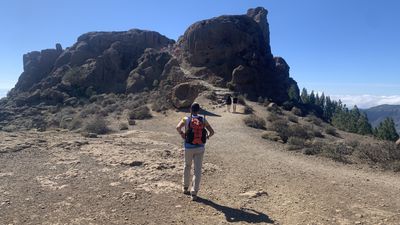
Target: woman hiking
(196,131)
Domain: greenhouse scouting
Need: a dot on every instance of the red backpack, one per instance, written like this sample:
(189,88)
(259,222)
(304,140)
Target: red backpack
(196,133)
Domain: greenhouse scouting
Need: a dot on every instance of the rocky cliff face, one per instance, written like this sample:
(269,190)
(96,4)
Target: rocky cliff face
(99,62)
(235,51)
(227,51)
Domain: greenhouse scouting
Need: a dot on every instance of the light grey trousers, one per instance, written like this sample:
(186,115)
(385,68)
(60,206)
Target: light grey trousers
(195,155)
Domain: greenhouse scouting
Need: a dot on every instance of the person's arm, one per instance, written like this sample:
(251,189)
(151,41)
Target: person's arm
(210,130)
(179,127)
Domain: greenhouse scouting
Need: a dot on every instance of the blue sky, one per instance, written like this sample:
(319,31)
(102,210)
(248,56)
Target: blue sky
(348,49)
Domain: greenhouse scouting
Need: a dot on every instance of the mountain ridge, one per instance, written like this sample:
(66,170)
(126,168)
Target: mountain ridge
(378,113)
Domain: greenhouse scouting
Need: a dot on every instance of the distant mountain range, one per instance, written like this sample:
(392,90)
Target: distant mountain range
(379,113)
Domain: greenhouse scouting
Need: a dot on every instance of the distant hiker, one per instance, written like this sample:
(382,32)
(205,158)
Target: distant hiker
(235,101)
(228,102)
(197,131)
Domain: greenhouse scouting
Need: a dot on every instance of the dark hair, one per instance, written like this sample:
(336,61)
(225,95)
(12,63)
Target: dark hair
(195,107)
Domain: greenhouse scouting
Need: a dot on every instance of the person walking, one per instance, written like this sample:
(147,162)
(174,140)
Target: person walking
(196,132)
(228,102)
(235,101)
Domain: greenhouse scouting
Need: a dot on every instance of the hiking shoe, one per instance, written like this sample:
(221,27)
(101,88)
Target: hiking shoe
(186,191)
(194,197)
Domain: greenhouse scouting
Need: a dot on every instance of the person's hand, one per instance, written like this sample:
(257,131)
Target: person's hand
(182,135)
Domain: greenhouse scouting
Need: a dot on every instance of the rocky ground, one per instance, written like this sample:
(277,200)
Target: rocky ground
(134,177)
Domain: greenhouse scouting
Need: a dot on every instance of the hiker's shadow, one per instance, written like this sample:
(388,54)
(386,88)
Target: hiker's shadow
(237,215)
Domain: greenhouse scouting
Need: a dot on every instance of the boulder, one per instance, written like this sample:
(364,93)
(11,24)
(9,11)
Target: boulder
(183,95)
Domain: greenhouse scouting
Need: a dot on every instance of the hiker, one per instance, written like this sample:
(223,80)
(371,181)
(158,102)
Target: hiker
(197,131)
(235,101)
(228,102)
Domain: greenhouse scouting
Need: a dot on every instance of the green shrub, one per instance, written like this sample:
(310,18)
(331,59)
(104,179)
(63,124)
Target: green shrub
(255,122)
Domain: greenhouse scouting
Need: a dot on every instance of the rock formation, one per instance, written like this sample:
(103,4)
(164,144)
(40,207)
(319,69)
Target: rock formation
(235,50)
(227,51)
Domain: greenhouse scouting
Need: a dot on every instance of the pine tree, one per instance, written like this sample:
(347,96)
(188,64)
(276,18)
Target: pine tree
(293,93)
(386,130)
(364,127)
(304,96)
(311,98)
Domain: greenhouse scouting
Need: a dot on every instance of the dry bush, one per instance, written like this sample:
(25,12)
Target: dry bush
(10,128)
(123,126)
(297,130)
(315,120)
(255,122)
(90,109)
(331,131)
(317,133)
(76,123)
(248,110)
(140,113)
(282,128)
(97,125)
(273,117)
(274,109)
(296,111)
(337,151)
(296,143)
(293,119)
(272,136)
(160,104)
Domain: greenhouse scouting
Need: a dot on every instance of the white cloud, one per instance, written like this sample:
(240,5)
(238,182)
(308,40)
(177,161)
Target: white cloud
(367,101)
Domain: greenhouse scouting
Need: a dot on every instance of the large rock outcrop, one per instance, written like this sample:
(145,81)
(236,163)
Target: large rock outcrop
(236,50)
(99,61)
(229,51)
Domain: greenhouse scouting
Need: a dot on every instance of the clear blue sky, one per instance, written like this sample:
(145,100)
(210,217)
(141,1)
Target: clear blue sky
(341,47)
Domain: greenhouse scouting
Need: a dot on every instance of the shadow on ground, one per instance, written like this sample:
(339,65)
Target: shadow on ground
(238,215)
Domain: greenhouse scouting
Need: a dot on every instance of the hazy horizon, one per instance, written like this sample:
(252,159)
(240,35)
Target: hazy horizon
(347,50)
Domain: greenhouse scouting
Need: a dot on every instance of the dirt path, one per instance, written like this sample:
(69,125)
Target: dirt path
(134,178)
